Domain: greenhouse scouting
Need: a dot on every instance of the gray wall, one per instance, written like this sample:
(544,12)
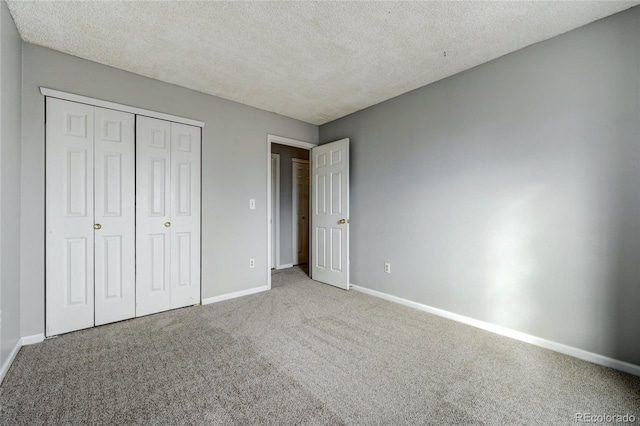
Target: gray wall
(10,82)
(234,169)
(286,197)
(509,193)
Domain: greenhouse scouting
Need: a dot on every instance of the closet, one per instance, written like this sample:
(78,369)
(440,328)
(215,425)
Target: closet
(122,215)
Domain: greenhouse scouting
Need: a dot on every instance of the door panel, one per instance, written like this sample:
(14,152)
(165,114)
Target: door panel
(183,255)
(336,249)
(330,198)
(320,195)
(69,217)
(76,192)
(112,262)
(185,215)
(157,196)
(77,282)
(158,253)
(153,174)
(336,193)
(321,248)
(112,175)
(183,188)
(115,212)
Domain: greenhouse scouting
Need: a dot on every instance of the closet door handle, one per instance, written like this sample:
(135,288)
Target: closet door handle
(167,224)
(97,226)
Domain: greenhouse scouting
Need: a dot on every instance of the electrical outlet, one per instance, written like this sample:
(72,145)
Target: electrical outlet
(252,263)
(387,268)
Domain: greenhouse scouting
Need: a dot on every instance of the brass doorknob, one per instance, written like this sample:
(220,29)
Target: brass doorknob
(97,226)
(167,224)
(342,221)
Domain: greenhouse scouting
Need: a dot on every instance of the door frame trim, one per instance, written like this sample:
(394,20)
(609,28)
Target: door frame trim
(119,107)
(282,141)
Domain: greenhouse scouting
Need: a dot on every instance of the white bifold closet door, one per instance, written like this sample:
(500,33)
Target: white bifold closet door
(167,215)
(114,201)
(89,216)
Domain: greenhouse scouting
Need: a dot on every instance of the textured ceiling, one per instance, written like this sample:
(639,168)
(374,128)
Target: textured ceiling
(313,61)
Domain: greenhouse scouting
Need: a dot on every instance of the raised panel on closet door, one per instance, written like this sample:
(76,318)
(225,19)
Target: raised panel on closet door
(114,169)
(69,217)
(153,197)
(185,215)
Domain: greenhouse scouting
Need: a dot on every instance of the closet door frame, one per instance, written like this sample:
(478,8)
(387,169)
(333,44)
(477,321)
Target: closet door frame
(52,94)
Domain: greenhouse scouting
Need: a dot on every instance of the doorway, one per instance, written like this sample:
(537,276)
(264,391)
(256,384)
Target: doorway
(290,189)
(288,209)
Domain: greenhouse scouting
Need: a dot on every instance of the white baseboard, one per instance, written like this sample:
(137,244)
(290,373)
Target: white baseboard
(32,340)
(7,363)
(503,331)
(234,295)
(285,266)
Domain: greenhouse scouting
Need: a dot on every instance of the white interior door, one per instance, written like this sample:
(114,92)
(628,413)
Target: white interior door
(153,210)
(69,217)
(330,213)
(114,169)
(300,197)
(185,215)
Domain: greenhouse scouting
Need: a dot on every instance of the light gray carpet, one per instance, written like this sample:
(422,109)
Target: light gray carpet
(303,353)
